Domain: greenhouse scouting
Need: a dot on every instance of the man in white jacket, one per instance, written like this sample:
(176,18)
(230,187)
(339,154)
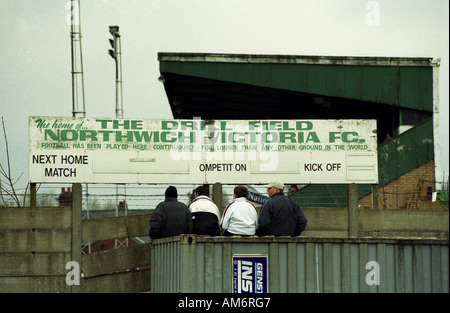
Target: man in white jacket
(240,216)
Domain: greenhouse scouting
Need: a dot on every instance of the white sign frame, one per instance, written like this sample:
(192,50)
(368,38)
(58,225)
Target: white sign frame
(101,150)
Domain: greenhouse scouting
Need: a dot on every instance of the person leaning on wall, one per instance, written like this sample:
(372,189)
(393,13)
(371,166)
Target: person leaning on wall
(205,213)
(171,217)
(280,215)
(240,216)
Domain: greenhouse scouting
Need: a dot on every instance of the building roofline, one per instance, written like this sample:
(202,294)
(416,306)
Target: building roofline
(295,59)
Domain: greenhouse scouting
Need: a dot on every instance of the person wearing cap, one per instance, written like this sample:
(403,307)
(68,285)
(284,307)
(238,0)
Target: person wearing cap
(280,215)
(171,217)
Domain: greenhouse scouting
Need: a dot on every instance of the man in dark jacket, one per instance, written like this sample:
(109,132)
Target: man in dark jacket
(280,215)
(170,218)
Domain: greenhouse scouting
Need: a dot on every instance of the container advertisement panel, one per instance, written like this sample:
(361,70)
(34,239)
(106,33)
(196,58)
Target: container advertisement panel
(100,150)
(250,273)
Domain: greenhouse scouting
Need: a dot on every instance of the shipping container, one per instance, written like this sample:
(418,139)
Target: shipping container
(199,264)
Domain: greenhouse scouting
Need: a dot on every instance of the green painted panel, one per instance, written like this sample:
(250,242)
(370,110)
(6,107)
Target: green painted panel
(352,80)
(326,195)
(404,86)
(414,82)
(396,157)
(406,152)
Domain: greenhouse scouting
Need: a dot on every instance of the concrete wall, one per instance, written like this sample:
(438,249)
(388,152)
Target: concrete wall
(334,222)
(37,243)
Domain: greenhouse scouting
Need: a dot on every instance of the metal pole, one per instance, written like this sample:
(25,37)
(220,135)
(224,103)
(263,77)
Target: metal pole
(119,108)
(117,56)
(114,30)
(77,67)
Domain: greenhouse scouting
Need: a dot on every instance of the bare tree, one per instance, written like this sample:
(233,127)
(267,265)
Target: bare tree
(7,181)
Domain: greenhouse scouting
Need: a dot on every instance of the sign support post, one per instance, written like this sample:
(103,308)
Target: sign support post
(353,211)
(32,195)
(77,194)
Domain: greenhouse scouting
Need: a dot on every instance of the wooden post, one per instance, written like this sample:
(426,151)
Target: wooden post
(375,203)
(217,196)
(33,195)
(353,212)
(77,193)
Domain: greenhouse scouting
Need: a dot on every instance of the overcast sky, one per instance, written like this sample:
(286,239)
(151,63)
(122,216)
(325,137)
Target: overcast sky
(35,70)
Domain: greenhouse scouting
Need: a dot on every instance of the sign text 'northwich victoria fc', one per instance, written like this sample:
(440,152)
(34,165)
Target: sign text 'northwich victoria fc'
(100,150)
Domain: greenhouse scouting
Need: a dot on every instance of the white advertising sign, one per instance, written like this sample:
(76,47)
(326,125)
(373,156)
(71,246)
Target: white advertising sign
(102,150)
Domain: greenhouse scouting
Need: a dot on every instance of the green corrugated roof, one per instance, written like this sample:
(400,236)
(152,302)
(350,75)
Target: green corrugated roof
(403,82)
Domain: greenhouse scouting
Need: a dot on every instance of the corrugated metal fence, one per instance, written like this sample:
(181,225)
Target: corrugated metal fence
(190,263)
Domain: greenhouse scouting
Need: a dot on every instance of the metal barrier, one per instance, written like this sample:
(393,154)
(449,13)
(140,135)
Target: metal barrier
(197,264)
